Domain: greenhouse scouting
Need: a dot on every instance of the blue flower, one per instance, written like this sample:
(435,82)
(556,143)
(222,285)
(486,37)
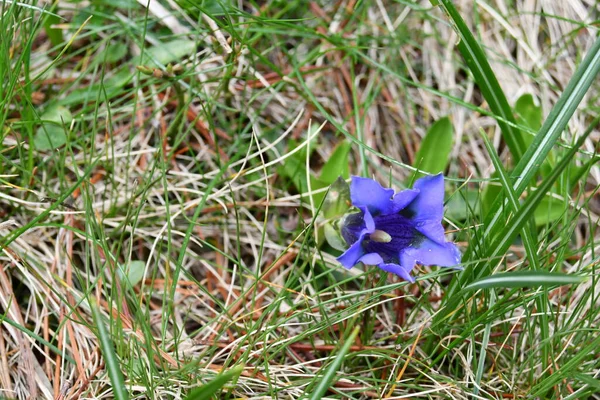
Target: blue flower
(396,230)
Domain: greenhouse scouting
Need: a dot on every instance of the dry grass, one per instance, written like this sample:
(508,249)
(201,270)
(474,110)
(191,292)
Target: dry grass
(180,178)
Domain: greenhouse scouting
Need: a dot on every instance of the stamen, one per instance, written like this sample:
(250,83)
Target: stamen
(380,236)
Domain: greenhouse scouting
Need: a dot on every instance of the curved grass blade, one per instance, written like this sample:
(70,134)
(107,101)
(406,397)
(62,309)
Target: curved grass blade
(526,169)
(553,127)
(486,81)
(529,240)
(110,358)
(504,239)
(329,377)
(522,279)
(211,388)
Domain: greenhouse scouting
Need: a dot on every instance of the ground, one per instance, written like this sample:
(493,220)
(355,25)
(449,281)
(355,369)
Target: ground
(163,214)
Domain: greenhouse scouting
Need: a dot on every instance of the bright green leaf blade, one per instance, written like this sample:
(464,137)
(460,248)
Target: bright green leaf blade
(486,81)
(337,164)
(523,279)
(57,114)
(110,358)
(529,113)
(211,388)
(330,375)
(434,153)
(54,34)
(526,169)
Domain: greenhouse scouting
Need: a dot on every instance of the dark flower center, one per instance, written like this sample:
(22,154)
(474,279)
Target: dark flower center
(400,229)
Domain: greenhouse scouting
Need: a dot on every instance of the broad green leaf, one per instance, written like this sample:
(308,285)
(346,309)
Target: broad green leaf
(133,272)
(211,388)
(338,200)
(521,279)
(458,208)
(334,238)
(51,134)
(116,52)
(434,153)
(294,168)
(169,52)
(100,91)
(54,34)
(549,210)
(337,164)
(529,113)
(215,7)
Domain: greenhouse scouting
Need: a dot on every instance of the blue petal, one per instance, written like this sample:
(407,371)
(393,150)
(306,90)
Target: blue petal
(429,204)
(367,193)
(351,256)
(403,199)
(368,218)
(399,270)
(432,230)
(428,207)
(371,259)
(429,252)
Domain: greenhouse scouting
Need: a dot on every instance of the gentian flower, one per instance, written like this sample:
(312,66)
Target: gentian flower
(396,230)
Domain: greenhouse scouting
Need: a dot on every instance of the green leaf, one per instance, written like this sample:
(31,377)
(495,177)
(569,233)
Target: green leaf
(434,153)
(116,52)
(211,388)
(327,380)
(337,164)
(133,272)
(51,134)
(486,80)
(530,114)
(549,210)
(294,168)
(521,279)
(459,207)
(337,201)
(169,52)
(99,91)
(108,353)
(54,34)
(334,238)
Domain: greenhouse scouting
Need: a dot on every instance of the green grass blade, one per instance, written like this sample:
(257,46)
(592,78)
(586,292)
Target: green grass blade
(554,125)
(504,239)
(566,369)
(484,344)
(526,169)
(110,358)
(521,279)
(211,388)
(328,378)
(528,240)
(486,80)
